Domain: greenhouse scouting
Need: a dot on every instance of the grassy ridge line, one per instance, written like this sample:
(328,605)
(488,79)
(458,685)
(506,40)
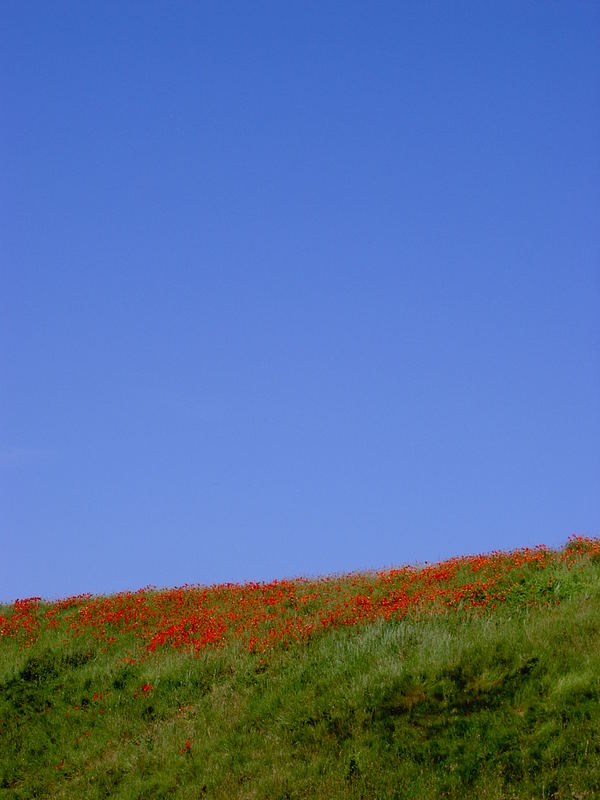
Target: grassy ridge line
(472,702)
(265,616)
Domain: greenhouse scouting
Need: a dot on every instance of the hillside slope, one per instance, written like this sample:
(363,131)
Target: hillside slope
(476,677)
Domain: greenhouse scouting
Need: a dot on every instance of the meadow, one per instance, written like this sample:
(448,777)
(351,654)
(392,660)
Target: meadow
(476,677)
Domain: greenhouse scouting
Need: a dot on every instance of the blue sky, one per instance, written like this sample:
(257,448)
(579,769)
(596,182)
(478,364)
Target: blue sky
(294,288)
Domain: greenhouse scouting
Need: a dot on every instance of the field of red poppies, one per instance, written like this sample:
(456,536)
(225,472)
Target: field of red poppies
(475,676)
(264,616)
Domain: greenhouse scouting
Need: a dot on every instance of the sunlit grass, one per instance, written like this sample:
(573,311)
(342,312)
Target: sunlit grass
(478,677)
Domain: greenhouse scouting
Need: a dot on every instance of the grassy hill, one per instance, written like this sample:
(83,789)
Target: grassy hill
(478,677)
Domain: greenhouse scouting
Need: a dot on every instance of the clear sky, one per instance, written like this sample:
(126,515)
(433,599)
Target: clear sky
(294,288)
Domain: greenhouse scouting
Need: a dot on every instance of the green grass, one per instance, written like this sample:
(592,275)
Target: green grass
(496,705)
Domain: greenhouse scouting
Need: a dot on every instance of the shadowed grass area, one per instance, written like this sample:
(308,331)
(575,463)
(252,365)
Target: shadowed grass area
(480,702)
